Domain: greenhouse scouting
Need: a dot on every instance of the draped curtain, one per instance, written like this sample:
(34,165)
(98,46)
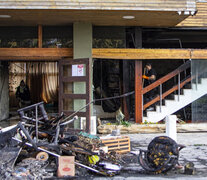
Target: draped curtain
(42,79)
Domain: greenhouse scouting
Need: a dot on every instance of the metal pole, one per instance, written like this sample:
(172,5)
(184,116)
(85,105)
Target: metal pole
(57,134)
(179,87)
(142,106)
(160,97)
(27,135)
(36,117)
(39,148)
(196,78)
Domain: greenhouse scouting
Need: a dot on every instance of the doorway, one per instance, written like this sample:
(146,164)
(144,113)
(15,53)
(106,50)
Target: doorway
(42,80)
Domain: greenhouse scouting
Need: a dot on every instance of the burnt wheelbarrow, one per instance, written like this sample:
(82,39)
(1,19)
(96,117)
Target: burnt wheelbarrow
(161,155)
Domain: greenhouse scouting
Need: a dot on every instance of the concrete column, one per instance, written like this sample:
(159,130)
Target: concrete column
(171,130)
(4,91)
(82,40)
(82,48)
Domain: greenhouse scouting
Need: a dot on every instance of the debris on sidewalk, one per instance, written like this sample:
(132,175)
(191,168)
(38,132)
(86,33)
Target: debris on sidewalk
(40,147)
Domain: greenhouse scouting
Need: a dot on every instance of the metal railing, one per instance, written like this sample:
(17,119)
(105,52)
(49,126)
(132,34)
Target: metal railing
(159,83)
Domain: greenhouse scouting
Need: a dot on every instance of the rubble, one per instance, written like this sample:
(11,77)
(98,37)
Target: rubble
(40,147)
(41,142)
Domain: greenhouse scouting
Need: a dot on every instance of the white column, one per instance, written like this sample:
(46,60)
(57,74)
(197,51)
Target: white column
(171,130)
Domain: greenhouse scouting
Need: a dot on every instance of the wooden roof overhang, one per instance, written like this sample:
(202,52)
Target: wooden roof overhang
(57,17)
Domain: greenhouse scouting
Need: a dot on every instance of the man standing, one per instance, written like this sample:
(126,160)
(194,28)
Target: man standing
(149,77)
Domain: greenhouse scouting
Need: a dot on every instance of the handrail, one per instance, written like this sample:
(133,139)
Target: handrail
(174,88)
(167,77)
(160,81)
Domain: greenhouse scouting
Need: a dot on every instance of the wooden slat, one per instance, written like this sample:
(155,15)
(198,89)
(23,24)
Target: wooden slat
(115,141)
(119,144)
(117,148)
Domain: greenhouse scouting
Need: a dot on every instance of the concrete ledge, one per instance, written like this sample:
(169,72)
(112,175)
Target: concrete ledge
(151,128)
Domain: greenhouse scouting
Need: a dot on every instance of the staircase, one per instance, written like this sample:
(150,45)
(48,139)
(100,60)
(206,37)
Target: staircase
(197,90)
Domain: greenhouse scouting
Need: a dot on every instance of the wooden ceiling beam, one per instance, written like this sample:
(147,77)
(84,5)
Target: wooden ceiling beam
(53,54)
(35,53)
(199,54)
(141,53)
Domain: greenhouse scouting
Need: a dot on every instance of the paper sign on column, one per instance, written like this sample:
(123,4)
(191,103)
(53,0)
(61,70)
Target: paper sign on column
(78,70)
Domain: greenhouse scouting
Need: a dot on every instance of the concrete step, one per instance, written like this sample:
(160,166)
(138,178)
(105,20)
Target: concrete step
(163,108)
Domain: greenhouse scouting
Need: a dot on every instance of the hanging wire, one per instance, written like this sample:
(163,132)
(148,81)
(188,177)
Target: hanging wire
(95,100)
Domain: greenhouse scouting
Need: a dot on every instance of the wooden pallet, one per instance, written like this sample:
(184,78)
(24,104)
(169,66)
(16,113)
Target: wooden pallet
(119,144)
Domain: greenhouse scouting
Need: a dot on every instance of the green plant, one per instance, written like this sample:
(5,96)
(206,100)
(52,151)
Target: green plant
(125,123)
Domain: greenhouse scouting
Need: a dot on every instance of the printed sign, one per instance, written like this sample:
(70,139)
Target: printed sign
(78,70)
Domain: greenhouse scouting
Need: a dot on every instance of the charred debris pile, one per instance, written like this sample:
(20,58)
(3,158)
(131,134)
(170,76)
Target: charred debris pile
(39,147)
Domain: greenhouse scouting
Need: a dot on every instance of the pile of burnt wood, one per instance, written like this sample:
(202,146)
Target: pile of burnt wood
(32,149)
(39,147)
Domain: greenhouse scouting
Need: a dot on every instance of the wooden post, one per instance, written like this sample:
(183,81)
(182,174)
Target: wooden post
(125,89)
(39,36)
(138,79)
(138,91)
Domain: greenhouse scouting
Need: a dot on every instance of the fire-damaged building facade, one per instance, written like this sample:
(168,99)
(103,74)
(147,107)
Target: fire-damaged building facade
(77,55)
